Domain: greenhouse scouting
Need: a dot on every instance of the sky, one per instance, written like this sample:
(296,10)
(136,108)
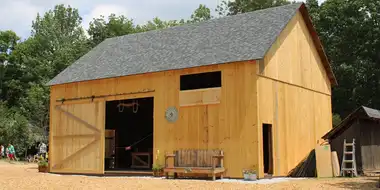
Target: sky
(17,15)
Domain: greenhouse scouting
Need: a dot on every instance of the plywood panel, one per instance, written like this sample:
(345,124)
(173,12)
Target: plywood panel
(229,125)
(323,161)
(199,97)
(76,138)
(335,164)
(294,59)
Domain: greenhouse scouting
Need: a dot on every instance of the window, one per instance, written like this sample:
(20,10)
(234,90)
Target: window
(201,80)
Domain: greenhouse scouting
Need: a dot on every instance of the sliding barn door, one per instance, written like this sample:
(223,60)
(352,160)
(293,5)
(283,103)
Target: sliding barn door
(77,138)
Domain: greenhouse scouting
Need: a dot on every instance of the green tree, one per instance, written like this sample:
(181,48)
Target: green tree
(100,29)
(227,7)
(59,38)
(336,120)
(15,129)
(202,13)
(8,42)
(313,9)
(157,23)
(35,107)
(350,32)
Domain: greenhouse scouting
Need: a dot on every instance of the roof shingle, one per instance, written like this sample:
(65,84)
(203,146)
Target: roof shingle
(240,37)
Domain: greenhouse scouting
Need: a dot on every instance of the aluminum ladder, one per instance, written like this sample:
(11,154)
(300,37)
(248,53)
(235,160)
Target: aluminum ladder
(346,161)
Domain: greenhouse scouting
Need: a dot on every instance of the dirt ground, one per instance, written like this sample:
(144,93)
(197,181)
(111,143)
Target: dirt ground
(26,176)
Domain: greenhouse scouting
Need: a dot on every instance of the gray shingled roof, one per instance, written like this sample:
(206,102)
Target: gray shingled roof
(241,37)
(361,112)
(372,113)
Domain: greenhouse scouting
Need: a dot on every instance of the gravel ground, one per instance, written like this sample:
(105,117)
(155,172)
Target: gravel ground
(25,176)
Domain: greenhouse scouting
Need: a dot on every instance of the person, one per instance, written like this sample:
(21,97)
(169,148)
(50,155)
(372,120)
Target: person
(42,147)
(12,151)
(7,152)
(2,151)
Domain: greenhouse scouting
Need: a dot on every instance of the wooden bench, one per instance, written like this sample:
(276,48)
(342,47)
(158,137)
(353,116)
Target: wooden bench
(195,161)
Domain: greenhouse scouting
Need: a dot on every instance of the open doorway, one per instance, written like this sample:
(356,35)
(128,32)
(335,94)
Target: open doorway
(129,134)
(267,149)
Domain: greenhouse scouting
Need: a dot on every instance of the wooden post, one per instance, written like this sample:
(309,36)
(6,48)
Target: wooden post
(221,163)
(213,168)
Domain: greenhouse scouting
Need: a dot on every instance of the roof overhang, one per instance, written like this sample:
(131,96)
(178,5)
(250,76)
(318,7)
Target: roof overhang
(359,113)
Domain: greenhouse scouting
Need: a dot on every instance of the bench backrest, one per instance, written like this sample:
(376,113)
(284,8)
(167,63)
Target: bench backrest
(196,158)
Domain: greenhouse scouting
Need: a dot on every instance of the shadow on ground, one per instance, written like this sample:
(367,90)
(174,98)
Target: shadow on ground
(365,184)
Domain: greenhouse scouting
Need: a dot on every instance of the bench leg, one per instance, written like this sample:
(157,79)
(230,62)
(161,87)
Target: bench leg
(167,175)
(175,175)
(221,175)
(213,176)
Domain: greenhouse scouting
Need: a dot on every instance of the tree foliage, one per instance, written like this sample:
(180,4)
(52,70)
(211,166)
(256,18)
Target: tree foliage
(336,120)
(202,13)
(8,42)
(227,7)
(15,129)
(60,39)
(350,33)
(349,30)
(57,40)
(100,29)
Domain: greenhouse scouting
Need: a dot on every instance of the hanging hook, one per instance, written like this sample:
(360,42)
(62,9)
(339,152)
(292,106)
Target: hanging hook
(120,106)
(137,106)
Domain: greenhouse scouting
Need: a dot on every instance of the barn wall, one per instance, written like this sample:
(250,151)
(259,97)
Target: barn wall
(294,96)
(229,125)
(294,59)
(369,145)
(353,131)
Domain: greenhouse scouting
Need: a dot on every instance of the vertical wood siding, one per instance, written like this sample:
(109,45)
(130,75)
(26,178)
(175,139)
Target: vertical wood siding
(227,123)
(294,96)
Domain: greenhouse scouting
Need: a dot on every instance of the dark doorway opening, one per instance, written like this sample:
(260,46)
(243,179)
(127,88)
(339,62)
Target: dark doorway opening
(268,149)
(129,135)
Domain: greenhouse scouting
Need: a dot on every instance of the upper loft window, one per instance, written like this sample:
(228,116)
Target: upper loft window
(201,80)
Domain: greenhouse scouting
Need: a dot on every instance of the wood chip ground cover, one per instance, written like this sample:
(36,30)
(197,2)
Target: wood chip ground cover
(26,176)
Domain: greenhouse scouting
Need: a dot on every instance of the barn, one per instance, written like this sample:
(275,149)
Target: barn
(363,125)
(255,85)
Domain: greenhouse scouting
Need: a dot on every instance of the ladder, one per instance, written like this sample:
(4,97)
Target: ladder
(345,161)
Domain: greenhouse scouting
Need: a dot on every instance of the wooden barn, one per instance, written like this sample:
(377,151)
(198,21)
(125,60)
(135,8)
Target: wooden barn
(363,125)
(256,86)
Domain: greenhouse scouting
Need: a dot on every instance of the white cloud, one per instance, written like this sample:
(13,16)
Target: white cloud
(16,15)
